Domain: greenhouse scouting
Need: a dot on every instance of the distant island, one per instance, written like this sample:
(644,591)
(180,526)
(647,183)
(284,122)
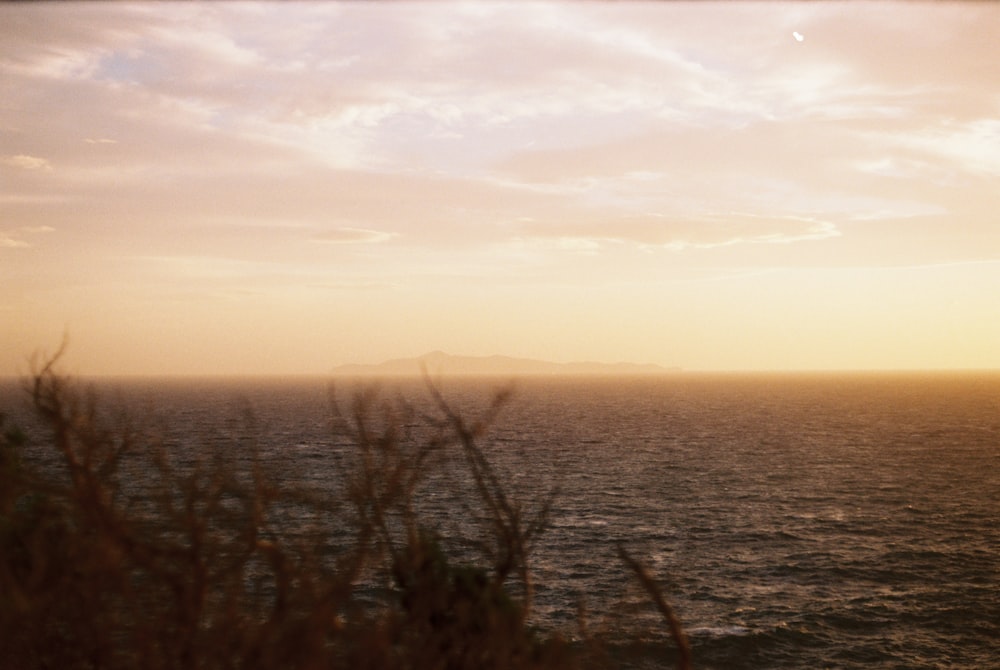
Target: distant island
(441,363)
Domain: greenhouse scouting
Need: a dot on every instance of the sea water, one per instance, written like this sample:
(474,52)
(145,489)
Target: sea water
(794,521)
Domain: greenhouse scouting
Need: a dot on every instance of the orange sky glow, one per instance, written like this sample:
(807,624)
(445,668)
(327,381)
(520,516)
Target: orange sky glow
(282,188)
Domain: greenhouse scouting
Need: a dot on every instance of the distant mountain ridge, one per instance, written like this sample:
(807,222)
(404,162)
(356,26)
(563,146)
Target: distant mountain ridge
(441,363)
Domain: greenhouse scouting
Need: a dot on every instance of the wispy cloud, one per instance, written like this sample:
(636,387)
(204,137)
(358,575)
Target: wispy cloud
(678,234)
(513,147)
(971,146)
(26,162)
(9,242)
(351,236)
(20,238)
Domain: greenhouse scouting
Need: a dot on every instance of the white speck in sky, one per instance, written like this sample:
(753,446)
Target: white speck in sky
(798,36)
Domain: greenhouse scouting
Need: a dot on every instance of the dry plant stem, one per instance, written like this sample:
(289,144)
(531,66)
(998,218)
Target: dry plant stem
(514,540)
(128,554)
(654,591)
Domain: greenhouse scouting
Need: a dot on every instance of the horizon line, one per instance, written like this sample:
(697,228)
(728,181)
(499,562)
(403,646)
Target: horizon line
(665,372)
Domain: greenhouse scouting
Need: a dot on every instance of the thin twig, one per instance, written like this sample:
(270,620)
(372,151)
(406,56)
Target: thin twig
(656,593)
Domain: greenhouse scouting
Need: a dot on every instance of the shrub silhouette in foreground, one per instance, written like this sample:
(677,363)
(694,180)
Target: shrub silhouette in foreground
(119,550)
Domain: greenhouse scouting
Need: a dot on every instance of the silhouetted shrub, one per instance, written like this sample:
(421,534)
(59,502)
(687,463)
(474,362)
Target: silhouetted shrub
(119,554)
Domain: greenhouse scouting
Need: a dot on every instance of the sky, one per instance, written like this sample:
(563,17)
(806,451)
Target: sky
(230,188)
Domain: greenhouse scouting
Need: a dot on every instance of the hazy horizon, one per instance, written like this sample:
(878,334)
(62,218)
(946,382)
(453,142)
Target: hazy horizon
(279,189)
(383,370)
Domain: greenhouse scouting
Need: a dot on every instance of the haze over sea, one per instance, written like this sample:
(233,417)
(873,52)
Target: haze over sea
(796,520)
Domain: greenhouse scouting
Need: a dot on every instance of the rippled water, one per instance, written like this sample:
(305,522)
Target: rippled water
(796,521)
(800,522)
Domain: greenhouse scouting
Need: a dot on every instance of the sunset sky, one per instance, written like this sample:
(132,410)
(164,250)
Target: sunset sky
(272,188)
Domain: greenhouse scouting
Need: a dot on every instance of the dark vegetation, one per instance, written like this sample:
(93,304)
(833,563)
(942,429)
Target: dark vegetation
(120,550)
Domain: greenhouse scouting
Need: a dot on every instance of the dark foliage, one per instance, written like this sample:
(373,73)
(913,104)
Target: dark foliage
(199,567)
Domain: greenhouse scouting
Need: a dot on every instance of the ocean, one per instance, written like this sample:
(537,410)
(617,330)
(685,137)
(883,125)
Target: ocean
(793,520)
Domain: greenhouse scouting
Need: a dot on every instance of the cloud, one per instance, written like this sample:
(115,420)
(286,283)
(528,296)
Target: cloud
(360,285)
(572,244)
(678,234)
(320,80)
(14,239)
(352,236)
(972,146)
(444,123)
(735,229)
(211,268)
(9,242)
(26,162)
